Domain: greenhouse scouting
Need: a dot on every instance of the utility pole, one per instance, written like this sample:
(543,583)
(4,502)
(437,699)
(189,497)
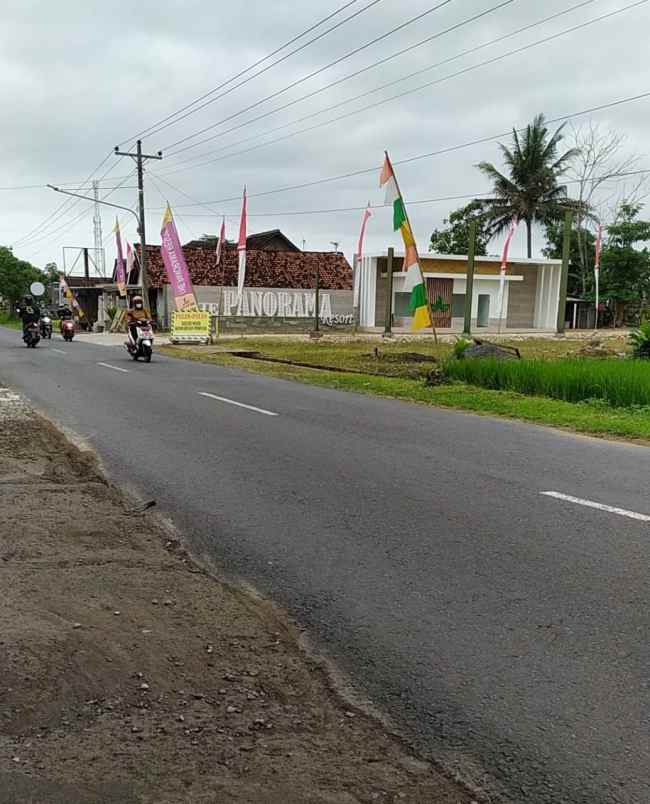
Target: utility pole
(97,230)
(469,282)
(86,265)
(564,277)
(388,322)
(140,159)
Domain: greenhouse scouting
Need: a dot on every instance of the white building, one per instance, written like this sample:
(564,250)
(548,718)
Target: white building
(531,294)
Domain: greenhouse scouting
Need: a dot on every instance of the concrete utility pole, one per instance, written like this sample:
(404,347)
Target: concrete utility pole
(388,323)
(140,159)
(97,231)
(469,283)
(564,278)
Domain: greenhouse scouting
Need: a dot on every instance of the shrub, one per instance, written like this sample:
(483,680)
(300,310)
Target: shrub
(619,383)
(640,340)
(460,345)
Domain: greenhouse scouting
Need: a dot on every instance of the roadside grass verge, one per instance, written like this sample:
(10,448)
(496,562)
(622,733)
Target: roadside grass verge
(619,383)
(590,418)
(7,320)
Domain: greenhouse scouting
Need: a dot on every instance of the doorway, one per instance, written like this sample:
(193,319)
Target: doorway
(483,314)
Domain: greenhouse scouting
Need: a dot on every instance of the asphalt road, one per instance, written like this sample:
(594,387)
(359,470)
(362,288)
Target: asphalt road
(505,631)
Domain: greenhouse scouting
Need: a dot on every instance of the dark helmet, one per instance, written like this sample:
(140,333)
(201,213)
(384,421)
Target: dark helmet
(28,299)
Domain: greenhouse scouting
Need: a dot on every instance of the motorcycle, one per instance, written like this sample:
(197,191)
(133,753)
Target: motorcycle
(140,344)
(32,335)
(67,329)
(46,327)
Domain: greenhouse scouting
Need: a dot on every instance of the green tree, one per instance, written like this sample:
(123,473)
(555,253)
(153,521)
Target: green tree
(582,243)
(15,277)
(531,191)
(454,238)
(625,266)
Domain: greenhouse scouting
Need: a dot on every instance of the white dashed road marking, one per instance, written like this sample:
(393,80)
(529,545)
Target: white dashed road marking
(238,404)
(115,368)
(610,509)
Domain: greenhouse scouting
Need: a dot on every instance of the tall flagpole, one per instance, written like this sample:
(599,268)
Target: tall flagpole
(599,245)
(415,245)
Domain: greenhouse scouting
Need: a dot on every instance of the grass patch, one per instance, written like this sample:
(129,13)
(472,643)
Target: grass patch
(7,320)
(590,418)
(619,383)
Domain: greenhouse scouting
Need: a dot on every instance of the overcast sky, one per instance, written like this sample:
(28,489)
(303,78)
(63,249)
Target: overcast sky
(78,78)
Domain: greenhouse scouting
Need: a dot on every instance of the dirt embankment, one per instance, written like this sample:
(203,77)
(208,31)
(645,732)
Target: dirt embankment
(128,674)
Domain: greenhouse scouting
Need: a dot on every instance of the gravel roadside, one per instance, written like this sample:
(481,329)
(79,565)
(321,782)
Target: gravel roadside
(129,674)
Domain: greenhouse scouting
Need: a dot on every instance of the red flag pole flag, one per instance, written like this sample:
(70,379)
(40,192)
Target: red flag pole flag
(241,248)
(504,264)
(222,238)
(119,273)
(599,248)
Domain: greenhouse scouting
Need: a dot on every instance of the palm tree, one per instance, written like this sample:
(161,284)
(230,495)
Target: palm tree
(531,192)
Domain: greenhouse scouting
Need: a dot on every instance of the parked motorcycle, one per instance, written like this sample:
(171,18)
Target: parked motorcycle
(46,327)
(140,343)
(32,335)
(67,329)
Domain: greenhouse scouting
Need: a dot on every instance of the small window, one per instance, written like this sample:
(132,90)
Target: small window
(402,305)
(458,305)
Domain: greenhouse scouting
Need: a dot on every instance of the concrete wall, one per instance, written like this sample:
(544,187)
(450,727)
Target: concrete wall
(272,308)
(521,300)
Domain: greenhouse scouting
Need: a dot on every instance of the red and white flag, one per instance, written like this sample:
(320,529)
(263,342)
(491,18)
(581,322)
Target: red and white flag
(120,279)
(222,238)
(366,214)
(599,247)
(241,248)
(506,246)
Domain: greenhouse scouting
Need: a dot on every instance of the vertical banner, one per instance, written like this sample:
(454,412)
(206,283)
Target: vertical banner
(356,262)
(504,265)
(175,265)
(130,261)
(221,241)
(119,269)
(241,248)
(70,297)
(599,248)
(414,285)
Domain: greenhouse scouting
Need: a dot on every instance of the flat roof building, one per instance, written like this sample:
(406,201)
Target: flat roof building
(530,299)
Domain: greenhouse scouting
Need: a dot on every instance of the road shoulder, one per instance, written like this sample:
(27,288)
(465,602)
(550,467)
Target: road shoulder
(130,674)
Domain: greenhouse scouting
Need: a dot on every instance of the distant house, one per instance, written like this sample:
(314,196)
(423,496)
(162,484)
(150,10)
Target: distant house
(273,240)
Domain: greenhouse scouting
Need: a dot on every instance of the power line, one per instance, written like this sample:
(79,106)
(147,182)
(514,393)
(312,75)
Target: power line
(243,72)
(439,199)
(429,154)
(313,73)
(66,225)
(268,67)
(419,88)
(61,206)
(369,67)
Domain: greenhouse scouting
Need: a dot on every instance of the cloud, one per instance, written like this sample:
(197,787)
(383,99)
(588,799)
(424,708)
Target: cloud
(77,79)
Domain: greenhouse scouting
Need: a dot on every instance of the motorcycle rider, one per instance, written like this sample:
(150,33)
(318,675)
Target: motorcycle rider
(28,312)
(65,314)
(134,314)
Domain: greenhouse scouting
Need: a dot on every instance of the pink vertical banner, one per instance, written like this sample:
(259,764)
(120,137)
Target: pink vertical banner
(221,241)
(599,247)
(241,246)
(175,265)
(506,246)
(366,215)
(120,278)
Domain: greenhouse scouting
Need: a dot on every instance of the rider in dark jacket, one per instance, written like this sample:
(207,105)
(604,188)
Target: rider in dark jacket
(28,312)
